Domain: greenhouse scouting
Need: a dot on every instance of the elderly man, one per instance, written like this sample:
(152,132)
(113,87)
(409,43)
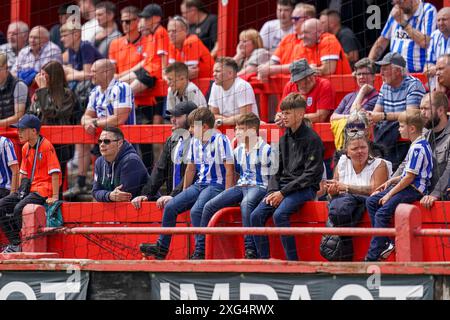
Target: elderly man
(34,56)
(398,93)
(274,30)
(408,30)
(17,36)
(111,103)
(119,172)
(439,43)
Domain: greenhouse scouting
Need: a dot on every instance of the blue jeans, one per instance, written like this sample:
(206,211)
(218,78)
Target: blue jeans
(287,207)
(194,198)
(249,197)
(380,216)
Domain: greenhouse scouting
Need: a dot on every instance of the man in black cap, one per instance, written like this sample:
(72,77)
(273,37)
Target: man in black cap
(398,93)
(171,165)
(40,178)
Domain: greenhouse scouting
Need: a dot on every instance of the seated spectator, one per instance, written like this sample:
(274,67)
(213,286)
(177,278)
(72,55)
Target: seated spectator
(111,104)
(322,50)
(439,42)
(253,160)
(180,88)
(331,23)
(443,74)
(398,93)
(189,49)
(105,12)
(230,95)
(13,95)
(410,186)
(38,52)
(250,53)
(119,172)
(40,188)
(91,27)
(9,168)
(274,30)
(2,38)
(210,159)
(64,12)
(283,55)
(17,36)
(171,165)
(201,23)
(297,179)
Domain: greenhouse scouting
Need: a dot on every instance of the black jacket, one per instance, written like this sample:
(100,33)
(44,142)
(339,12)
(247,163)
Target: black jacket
(300,162)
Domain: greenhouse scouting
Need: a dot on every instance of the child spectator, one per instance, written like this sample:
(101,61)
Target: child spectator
(410,186)
(9,168)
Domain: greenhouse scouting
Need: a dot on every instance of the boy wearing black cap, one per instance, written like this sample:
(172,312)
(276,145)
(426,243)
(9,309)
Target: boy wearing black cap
(38,185)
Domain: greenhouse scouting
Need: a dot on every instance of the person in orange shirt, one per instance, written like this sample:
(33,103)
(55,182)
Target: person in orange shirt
(43,187)
(283,54)
(189,49)
(322,50)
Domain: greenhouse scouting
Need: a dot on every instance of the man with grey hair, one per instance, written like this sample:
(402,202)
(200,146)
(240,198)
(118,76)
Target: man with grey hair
(17,36)
(34,56)
(398,93)
(439,43)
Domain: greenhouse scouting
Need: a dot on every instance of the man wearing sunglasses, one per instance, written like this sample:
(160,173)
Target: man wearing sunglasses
(119,173)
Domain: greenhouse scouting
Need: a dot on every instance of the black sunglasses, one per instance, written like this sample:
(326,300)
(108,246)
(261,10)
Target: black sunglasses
(127,21)
(106,141)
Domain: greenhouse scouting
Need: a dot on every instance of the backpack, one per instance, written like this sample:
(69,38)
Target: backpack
(336,248)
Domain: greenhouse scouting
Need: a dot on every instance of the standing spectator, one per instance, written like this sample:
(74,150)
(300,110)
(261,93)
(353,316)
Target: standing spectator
(230,95)
(2,38)
(408,30)
(283,55)
(189,49)
(274,30)
(64,12)
(13,95)
(201,23)
(180,88)
(91,27)
(111,103)
(322,50)
(443,74)
(211,160)
(119,173)
(250,53)
(439,42)
(410,186)
(38,52)
(9,168)
(331,23)
(105,13)
(44,185)
(300,169)
(398,93)
(17,36)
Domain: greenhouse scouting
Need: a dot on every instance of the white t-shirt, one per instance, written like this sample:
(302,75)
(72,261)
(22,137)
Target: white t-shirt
(192,93)
(230,101)
(348,175)
(271,34)
(89,30)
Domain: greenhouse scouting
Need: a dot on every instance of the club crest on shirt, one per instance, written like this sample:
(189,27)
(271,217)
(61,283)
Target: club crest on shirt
(309,101)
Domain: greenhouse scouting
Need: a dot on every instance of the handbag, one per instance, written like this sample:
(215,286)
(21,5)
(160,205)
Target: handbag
(25,183)
(54,218)
(336,248)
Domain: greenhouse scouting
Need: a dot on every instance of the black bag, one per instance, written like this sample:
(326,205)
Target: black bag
(25,183)
(336,248)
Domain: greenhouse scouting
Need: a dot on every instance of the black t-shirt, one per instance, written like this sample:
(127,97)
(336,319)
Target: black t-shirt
(206,31)
(348,40)
(2,38)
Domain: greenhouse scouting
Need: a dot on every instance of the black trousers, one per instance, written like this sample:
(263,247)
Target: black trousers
(11,214)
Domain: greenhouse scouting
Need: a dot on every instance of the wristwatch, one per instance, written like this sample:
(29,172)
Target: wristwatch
(95,123)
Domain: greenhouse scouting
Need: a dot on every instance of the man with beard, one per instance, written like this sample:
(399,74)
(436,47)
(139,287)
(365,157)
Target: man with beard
(433,108)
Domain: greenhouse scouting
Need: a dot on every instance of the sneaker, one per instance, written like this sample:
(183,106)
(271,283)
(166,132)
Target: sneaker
(250,254)
(197,255)
(390,247)
(153,249)
(76,190)
(12,248)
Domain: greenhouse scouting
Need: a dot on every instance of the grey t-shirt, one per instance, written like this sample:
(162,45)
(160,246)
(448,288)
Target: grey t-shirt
(348,40)
(192,93)
(103,46)
(20,92)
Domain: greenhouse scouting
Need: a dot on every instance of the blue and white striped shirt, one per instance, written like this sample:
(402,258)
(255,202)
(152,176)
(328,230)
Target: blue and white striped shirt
(419,161)
(210,158)
(409,93)
(178,156)
(439,46)
(423,20)
(7,158)
(253,167)
(117,95)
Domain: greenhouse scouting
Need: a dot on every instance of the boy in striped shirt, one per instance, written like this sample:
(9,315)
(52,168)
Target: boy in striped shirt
(409,187)
(9,168)
(210,160)
(252,159)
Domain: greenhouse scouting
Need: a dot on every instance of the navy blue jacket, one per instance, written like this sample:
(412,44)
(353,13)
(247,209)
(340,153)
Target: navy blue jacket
(127,170)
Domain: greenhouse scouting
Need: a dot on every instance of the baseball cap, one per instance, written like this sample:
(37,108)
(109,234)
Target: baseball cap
(392,58)
(184,107)
(151,10)
(28,121)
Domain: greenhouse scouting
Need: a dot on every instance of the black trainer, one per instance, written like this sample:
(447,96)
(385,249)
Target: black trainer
(153,249)
(197,255)
(250,254)
(390,247)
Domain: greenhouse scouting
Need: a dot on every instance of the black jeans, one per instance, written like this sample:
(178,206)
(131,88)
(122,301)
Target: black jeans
(11,214)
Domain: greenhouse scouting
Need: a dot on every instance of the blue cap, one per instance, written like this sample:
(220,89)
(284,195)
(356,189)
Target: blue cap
(28,121)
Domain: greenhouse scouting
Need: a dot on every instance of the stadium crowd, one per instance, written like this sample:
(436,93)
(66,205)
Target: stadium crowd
(392,144)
